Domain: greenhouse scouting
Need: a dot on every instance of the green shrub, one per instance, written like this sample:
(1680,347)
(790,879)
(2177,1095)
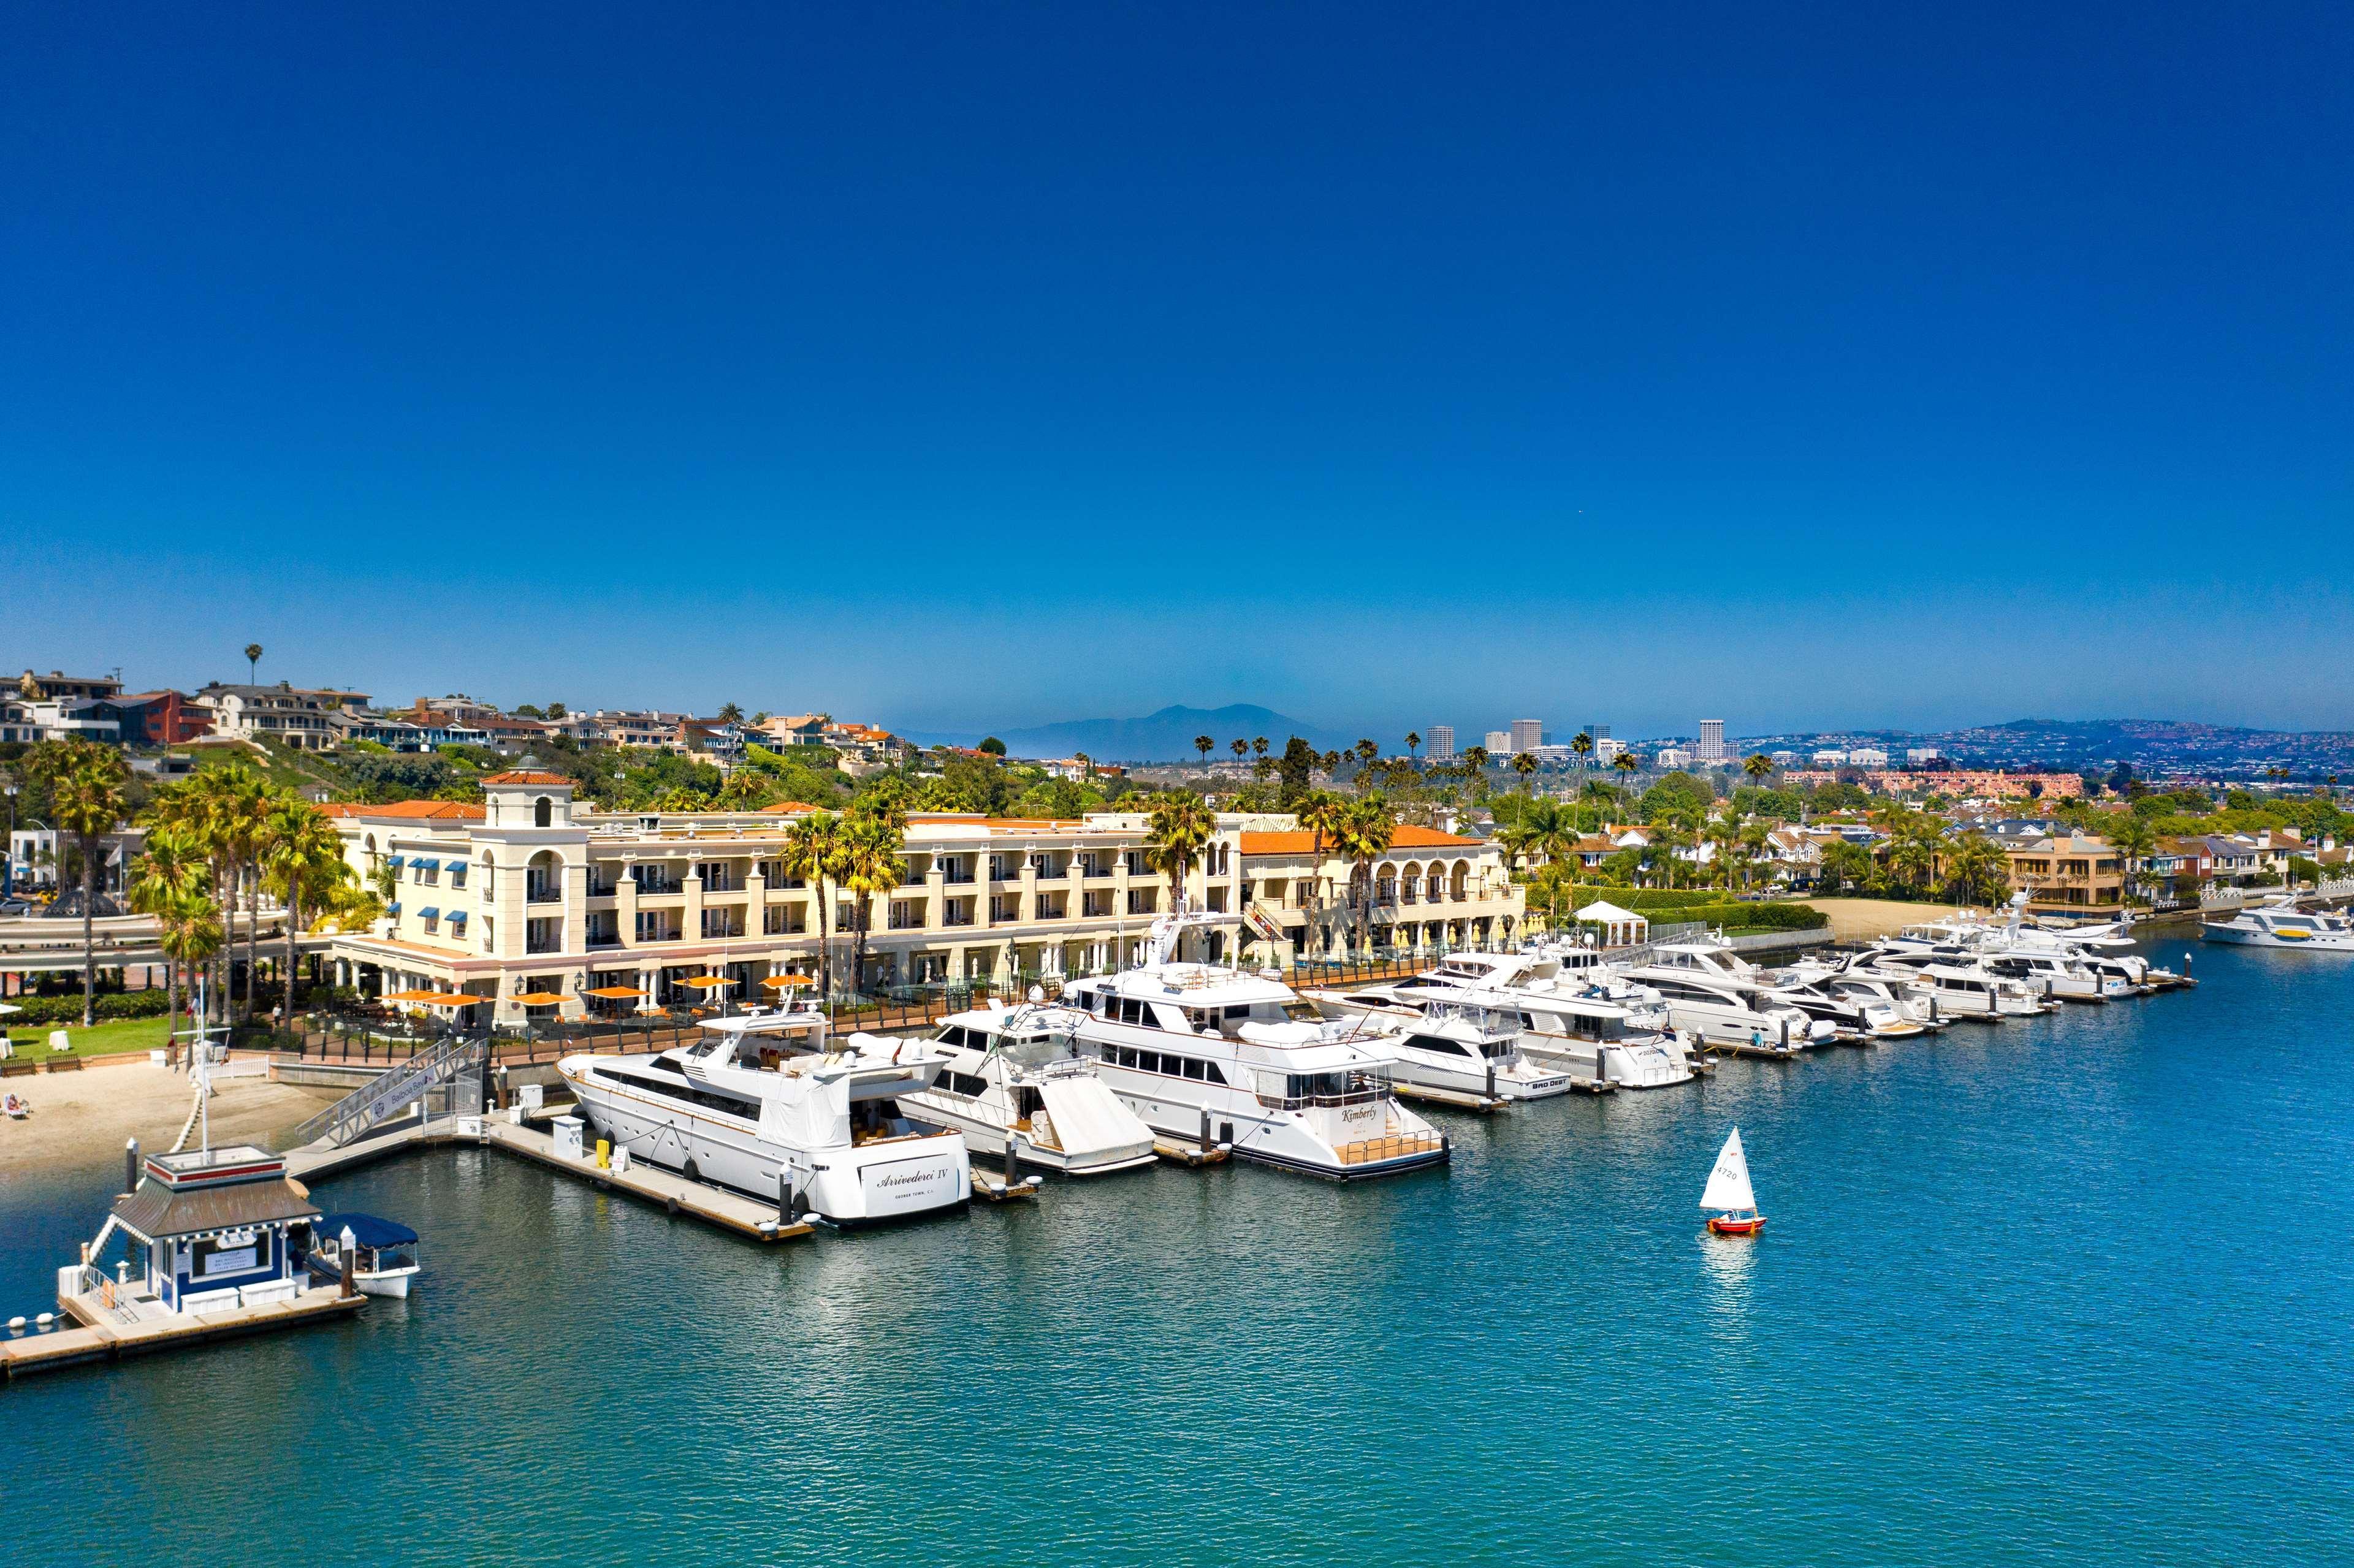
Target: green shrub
(111,1004)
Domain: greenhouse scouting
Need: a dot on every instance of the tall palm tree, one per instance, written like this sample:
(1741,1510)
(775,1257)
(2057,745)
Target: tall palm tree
(1258,746)
(872,847)
(165,881)
(86,797)
(1758,765)
(1239,746)
(1323,813)
(189,932)
(1180,828)
(1202,743)
(1413,742)
(249,823)
(814,852)
(1365,835)
(1525,765)
(1624,764)
(1582,745)
(253,662)
(303,859)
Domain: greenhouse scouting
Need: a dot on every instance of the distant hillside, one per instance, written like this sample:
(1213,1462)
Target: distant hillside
(1167,736)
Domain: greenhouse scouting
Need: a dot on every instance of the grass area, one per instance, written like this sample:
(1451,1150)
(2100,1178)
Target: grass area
(99,1040)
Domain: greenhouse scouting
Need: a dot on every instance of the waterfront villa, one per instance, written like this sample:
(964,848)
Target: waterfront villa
(532,892)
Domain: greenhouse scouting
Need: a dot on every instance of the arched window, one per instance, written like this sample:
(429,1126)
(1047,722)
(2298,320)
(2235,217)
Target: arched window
(542,812)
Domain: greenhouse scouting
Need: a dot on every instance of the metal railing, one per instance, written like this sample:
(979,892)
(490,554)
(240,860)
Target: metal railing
(370,1106)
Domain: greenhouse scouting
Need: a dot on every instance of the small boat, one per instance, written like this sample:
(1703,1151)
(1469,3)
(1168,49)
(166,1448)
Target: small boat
(384,1255)
(1728,1190)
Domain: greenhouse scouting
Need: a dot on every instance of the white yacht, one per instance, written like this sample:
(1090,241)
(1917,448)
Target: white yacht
(1862,1011)
(1844,981)
(1723,997)
(1576,1015)
(1017,1073)
(2281,924)
(1444,1043)
(765,1105)
(1963,987)
(1202,1051)
(2049,961)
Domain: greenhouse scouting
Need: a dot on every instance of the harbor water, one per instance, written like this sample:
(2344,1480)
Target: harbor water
(2074,1289)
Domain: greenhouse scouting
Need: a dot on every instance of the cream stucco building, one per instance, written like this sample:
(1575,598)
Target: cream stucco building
(530,891)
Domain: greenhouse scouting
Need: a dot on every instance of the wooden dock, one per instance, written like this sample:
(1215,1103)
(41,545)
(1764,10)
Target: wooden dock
(1480,1105)
(109,1338)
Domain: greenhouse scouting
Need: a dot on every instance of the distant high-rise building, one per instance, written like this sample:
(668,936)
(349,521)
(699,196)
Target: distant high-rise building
(1442,743)
(1527,734)
(1711,739)
(1498,743)
(1598,731)
(1606,750)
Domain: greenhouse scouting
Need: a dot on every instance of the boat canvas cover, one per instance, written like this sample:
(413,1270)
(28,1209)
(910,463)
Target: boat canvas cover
(1728,1184)
(367,1230)
(1090,1120)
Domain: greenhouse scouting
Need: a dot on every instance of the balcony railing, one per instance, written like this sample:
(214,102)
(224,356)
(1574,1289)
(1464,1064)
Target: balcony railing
(541,892)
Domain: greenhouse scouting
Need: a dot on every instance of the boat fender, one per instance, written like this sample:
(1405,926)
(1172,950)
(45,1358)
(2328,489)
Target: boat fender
(670,1204)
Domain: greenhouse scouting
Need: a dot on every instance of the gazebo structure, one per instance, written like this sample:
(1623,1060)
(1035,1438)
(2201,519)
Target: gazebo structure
(208,1230)
(1620,927)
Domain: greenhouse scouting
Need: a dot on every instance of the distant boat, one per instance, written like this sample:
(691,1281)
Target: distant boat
(1728,1190)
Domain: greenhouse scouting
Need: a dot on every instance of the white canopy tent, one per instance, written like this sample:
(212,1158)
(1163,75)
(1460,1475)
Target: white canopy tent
(1621,928)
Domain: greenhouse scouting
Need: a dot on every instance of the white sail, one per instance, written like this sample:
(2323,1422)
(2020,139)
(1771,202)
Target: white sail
(1728,1184)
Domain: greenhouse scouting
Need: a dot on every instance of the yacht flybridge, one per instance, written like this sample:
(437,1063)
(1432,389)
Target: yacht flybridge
(1200,1050)
(1453,1043)
(764,1104)
(1017,1073)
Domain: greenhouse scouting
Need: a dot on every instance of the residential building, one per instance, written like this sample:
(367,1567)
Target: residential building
(1782,758)
(161,718)
(1528,734)
(306,720)
(1442,743)
(651,730)
(1921,756)
(795,729)
(58,684)
(1867,757)
(1674,757)
(721,740)
(2070,872)
(458,706)
(1498,742)
(1830,756)
(531,891)
(1712,740)
(1606,750)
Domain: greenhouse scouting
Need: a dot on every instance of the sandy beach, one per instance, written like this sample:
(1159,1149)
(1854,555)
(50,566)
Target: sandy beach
(79,1117)
(1854,919)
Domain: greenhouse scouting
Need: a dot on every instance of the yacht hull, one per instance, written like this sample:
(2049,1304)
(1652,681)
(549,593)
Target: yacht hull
(987,1139)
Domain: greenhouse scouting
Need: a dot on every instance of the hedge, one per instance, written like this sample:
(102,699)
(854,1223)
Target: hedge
(111,1004)
(1771,917)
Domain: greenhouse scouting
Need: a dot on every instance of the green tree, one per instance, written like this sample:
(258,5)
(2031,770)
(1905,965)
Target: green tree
(871,848)
(1364,834)
(1180,828)
(1324,814)
(87,791)
(167,881)
(812,852)
(302,857)
(1758,765)
(1202,743)
(253,662)
(992,745)
(1413,742)
(1296,773)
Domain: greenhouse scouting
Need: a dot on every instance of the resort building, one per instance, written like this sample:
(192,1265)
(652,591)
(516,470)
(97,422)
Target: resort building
(531,892)
(2071,874)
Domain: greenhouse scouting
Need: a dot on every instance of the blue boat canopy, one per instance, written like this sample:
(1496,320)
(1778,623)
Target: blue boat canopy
(367,1230)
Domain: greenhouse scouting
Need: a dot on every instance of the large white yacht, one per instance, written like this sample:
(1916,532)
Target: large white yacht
(1220,1054)
(1858,1010)
(1017,1073)
(1713,992)
(1576,1016)
(1455,1044)
(2281,924)
(765,1105)
(1963,987)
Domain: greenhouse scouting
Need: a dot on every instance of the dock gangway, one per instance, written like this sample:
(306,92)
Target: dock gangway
(455,1066)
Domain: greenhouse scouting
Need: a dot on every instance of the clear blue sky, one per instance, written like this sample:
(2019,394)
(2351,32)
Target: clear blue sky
(989,365)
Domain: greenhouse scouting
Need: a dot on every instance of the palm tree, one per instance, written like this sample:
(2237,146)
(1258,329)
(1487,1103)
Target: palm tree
(1202,743)
(1258,746)
(1976,872)
(730,714)
(165,879)
(1525,765)
(1239,746)
(189,932)
(812,852)
(1180,827)
(250,822)
(253,662)
(1365,832)
(1758,765)
(1413,742)
(86,796)
(1582,743)
(303,859)
(1322,814)
(2135,840)
(1087,764)
(872,847)
(1625,764)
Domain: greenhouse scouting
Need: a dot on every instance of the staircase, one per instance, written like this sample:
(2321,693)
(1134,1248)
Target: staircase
(457,1063)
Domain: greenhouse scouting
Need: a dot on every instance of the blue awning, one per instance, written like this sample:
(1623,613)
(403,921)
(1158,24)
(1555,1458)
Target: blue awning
(457,917)
(396,861)
(429,913)
(392,908)
(367,1230)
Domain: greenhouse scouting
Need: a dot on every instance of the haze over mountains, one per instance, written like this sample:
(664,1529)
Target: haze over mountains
(1163,737)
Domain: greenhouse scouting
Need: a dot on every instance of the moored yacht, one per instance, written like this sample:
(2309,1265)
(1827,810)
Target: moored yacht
(1452,1043)
(1576,1015)
(766,1105)
(1720,997)
(1963,989)
(2281,924)
(1202,1051)
(1018,1074)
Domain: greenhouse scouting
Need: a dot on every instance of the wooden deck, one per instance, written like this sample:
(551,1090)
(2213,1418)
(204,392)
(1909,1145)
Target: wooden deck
(1372,1150)
(105,1336)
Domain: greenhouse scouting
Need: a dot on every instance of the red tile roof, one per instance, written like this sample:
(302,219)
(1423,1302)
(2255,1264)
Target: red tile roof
(1302,842)
(410,810)
(525,776)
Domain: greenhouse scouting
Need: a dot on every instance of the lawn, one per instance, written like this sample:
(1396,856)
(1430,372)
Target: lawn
(99,1040)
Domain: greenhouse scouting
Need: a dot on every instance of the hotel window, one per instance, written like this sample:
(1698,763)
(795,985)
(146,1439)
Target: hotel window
(727,922)
(1143,900)
(457,874)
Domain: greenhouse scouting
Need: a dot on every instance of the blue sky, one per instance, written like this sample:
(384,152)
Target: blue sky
(980,365)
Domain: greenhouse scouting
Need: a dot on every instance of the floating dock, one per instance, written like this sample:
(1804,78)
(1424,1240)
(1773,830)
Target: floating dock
(1482,1105)
(102,1336)
(1193,1155)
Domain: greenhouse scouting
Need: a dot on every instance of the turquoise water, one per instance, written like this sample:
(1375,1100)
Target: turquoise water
(2073,1290)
